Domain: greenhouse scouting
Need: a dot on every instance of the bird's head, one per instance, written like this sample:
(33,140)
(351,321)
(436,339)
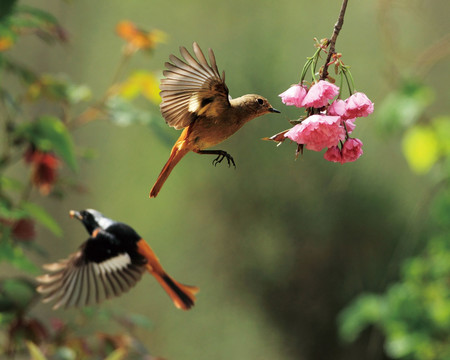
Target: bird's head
(91,219)
(256,105)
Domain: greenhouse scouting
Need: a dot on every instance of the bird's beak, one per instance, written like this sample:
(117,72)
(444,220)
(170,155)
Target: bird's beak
(274,110)
(75,214)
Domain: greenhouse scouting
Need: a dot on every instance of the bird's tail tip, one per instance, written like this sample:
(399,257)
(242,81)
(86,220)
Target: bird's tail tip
(176,155)
(183,296)
(152,193)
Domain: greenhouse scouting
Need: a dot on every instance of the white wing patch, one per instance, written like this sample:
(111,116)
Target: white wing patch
(115,264)
(194,104)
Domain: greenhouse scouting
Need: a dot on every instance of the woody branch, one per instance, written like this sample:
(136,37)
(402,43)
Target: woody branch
(332,40)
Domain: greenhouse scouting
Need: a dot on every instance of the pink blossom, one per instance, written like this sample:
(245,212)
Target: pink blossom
(319,94)
(357,105)
(350,124)
(294,95)
(318,132)
(351,150)
(337,107)
(333,154)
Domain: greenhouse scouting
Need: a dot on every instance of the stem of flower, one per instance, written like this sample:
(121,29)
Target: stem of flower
(350,84)
(315,60)
(332,41)
(346,131)
(311,61)
(305,69)
(313,69)
(340,86)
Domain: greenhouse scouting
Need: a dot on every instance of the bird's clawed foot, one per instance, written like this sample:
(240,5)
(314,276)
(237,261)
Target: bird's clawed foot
(222,155)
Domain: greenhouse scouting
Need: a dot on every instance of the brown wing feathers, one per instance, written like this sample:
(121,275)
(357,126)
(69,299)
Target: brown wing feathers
(186,85)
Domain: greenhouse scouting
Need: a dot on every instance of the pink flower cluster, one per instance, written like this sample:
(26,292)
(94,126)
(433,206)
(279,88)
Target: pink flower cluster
(334,122)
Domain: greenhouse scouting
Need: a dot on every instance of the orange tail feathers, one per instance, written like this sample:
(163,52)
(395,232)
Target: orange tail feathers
(183,296)
(177,153)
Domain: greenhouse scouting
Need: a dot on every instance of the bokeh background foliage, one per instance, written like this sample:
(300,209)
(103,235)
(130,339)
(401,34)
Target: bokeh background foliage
(280,248)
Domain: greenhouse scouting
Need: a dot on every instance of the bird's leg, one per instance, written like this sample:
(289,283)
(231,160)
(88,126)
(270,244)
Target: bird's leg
(220,156)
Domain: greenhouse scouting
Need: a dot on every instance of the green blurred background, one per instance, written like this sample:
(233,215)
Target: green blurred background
(278,247)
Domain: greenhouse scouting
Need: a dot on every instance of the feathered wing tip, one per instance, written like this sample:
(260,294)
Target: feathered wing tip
(187,82)
(73,282)
(200,65)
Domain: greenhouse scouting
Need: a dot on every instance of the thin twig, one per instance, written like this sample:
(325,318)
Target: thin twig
(332,40)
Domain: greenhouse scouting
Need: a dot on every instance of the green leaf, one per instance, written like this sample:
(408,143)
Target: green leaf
(402,108)
(8,183)
(65,353)
(55,89)
(7,211)
(41,15)
(35,352)
(414,313)
(400,346)
(441,125)
(118,354)
(78,93)
(440,209)
(6,8)
(141,82)
(16,257)
(7,37)
(44,218)
(58,88)
(421,148)
(21,71)
(48,133)
(365,310)
(16,294)
(41,22)
(124,113)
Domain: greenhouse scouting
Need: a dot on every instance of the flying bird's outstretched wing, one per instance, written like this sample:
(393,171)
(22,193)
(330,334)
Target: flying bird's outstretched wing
(90,275)
(192,88)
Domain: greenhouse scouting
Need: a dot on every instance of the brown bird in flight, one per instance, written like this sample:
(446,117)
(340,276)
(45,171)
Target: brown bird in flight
(195,97)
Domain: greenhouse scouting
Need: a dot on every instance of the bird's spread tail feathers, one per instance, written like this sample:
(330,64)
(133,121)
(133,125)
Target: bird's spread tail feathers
(183,296)
(178,152)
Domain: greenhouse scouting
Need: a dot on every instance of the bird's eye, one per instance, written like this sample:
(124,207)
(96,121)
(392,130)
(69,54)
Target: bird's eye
(260,101)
